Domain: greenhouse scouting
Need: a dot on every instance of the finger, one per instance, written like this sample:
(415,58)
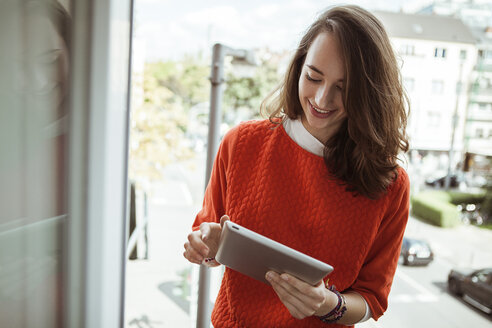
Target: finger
(197,243)
(191,254)
(223,219)
(296,308)
(205,230)
(306,294)
(185,254)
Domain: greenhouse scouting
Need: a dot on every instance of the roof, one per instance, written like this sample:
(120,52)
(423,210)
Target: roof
(483,36)
(425,27)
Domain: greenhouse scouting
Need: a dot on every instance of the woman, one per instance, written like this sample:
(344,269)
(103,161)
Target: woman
(321,176)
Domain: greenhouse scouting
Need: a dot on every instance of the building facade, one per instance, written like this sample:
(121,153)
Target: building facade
(437,57)
(477,15)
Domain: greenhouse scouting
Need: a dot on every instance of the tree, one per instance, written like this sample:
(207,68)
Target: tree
(168,90)
(159,121)
(247,93)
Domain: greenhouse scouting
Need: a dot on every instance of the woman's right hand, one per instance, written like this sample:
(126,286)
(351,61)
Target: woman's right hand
(204,243)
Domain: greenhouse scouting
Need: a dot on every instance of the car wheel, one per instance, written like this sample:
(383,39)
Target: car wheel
(454,287)
(479,220)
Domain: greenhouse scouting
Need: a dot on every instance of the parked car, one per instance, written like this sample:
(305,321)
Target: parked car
(455,181)
(475,286)
(416,252)
(470,214)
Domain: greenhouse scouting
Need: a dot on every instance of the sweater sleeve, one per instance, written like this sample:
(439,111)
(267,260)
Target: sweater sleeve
(215,194)
(376,275)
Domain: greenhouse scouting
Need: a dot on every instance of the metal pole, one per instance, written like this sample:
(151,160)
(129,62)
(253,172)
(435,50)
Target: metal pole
(447,181)
(216,79)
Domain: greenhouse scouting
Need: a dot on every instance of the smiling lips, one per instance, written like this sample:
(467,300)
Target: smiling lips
(320,113)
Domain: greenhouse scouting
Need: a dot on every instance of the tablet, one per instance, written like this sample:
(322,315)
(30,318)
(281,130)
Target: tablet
(254,255)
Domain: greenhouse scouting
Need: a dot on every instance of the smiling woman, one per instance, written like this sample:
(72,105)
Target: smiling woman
(320,176)
(320,88)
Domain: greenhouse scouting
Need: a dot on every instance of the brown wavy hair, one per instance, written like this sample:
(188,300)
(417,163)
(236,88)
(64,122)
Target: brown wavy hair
(364,152)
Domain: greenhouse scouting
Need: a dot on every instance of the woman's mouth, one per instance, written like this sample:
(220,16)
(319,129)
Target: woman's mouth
(318,112)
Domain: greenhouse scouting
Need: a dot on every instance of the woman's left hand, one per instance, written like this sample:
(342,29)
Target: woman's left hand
(300,298)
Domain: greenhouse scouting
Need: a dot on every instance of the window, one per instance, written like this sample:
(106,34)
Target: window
(407,49)
(479,133)
(437,87)
(440,52)
(462,54)
(482,106)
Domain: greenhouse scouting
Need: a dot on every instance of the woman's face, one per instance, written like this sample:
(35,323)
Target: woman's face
(321,87)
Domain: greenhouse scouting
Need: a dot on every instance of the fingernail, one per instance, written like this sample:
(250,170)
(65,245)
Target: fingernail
(284,277)
(269,276)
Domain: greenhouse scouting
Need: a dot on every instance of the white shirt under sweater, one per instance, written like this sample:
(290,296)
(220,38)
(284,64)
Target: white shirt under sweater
(297,132)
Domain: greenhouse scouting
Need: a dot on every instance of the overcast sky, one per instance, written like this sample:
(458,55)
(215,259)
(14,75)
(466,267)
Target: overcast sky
(170,28)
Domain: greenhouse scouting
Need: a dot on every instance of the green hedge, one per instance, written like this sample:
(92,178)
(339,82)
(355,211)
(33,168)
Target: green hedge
(458,197)
(439,207)
(435,207)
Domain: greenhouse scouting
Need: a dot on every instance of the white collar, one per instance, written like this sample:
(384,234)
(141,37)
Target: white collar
(297,132)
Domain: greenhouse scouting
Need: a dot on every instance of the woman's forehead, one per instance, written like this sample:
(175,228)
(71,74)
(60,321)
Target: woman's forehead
(324,54)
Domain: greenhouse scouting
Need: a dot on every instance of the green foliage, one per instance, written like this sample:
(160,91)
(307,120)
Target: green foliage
(433,208)
(163,96)
(186,79)
(439,207)
(247,92)
(459,197)
(160,119)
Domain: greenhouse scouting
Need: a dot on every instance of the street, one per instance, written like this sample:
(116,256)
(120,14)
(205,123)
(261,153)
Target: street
(158,289)
(419,298)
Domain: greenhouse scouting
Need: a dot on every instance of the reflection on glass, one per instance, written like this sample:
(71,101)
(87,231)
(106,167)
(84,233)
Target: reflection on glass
(34,61)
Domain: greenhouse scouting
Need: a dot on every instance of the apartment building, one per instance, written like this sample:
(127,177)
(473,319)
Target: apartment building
(437,56)
(477,15)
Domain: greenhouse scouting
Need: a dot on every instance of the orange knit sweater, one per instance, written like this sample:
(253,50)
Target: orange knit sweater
(267,183)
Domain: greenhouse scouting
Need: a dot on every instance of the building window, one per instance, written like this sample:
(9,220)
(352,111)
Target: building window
(407,49)
(462,54)
(479,133)
(440,52)
(409,83)
(437,87)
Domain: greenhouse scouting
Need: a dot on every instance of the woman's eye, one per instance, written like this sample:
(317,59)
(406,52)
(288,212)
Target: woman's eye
(309,78)
(339,87)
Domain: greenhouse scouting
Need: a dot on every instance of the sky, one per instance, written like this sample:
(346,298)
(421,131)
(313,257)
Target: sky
(168,29)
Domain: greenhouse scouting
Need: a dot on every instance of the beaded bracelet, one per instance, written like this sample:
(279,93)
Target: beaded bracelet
(338,311)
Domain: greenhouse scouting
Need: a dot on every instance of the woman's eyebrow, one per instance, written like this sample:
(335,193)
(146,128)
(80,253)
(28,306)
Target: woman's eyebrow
(315,69)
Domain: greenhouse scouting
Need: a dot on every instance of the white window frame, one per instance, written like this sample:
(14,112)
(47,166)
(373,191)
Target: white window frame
(99,116)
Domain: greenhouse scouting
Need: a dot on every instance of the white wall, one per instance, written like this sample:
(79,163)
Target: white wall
(431,118)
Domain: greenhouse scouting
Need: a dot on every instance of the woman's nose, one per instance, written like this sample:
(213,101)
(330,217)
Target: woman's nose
(324,96)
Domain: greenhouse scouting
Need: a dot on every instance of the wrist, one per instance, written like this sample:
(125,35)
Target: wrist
(331,301)
(339,310)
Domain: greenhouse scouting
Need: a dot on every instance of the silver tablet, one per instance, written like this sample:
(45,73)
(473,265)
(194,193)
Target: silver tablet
(253,255)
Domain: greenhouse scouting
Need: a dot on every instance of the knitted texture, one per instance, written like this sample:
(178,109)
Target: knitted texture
(267,183)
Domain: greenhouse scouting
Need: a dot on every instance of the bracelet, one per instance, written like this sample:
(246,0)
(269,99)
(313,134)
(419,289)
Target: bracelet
(338,311)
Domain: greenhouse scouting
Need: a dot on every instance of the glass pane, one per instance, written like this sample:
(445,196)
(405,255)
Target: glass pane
(33,116)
